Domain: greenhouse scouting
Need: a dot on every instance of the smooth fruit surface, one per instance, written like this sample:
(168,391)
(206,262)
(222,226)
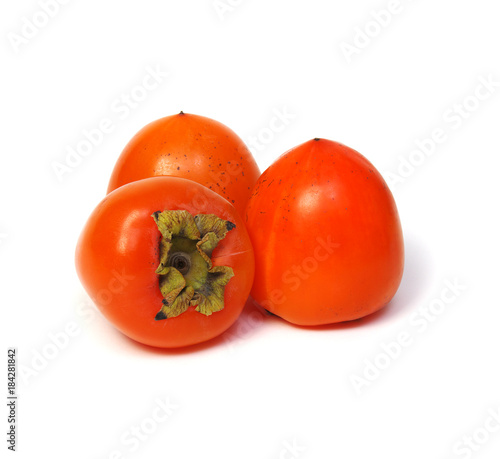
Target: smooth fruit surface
(326,234)
(167,261)
(192,147)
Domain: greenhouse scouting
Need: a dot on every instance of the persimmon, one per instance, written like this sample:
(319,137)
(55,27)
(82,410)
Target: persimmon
(327,236)
(167,261)
(192,147)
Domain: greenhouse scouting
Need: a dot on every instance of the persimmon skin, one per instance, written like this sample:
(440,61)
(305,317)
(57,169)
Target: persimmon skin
(327,236)
(118,252)
(192,147)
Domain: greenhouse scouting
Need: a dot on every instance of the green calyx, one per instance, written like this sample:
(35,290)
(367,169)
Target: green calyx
(187,276)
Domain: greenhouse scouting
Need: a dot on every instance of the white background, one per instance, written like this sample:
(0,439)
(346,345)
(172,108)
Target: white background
(265,385)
